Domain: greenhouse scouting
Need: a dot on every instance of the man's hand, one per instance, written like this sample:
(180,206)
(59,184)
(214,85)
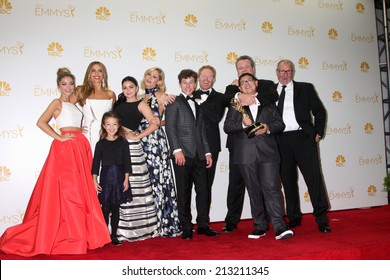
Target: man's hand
(209,161)
(180,159)
(246,99)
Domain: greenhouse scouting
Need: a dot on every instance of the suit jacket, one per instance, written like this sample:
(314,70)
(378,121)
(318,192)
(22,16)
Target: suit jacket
(266,94)
(263,147)
(310,113)
(212,113)
(184,131)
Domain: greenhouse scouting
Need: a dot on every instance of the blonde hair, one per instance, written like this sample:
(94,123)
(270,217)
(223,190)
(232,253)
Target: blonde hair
(211,68)
(161,77)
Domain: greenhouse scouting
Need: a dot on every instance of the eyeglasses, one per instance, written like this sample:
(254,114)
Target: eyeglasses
(249,81)
(285,71)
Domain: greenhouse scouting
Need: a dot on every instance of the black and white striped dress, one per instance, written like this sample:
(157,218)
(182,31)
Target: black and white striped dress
(138,218)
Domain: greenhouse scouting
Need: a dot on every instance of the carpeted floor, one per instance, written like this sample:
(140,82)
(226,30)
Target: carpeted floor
(356,234)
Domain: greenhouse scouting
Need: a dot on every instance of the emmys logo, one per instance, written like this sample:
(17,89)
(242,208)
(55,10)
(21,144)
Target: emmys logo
(266,62)
(12,133)
(360,8)
(12,50)
(223,167)
(51,92)
(231,58)
(13,219)
(54,126)
(149,54)
(362,39)
(335,5)
(55,49)
(241,26)
(371,161)
(342,195)
(337,96)
(102,13)
(190,20)
(306,196)
(5,174)
(364,67)
(183,57)
(340,161)
(267,27)
(5,7)
(303,63)
(368,128)
(334,66)
(339,130)
(333,34)
(371,190)
(49,12)
(159,19)
(367,99)
(108,54)
(300,2)
(291,31)
(5,89)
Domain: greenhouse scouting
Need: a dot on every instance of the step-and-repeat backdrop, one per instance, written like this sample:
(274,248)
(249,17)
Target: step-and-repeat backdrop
(332,43)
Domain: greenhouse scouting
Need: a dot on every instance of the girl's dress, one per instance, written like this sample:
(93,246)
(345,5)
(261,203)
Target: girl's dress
(138,219)
(93,111)
(112,160)
(156,148)
(63,215)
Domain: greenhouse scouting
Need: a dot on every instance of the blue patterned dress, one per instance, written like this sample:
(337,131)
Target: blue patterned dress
(156,148)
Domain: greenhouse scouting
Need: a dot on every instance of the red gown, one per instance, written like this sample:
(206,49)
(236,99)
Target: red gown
(63,215)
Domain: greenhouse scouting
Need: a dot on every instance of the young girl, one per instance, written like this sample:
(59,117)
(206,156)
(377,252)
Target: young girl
(112,154)
(138,219)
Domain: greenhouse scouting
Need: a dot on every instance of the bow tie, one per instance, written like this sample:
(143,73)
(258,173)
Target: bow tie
(190,98)
(205,92)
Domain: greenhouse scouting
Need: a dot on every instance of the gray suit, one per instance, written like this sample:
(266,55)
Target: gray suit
(187,133)
(259,162)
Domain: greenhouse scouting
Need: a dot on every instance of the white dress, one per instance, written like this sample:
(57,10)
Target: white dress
(93,112)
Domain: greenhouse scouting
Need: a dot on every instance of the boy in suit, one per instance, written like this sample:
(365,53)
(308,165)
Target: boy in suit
(191,154)
(258,159)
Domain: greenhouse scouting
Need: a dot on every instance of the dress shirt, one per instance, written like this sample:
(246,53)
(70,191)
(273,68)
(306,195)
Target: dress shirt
(288,108)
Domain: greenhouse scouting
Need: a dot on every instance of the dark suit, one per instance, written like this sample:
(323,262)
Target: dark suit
(299,148)
(258,160)
(236,189)
(212,114)
(186,133)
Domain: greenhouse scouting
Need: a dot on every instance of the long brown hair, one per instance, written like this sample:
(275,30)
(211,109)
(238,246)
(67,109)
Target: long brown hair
(111,114)
(86,89)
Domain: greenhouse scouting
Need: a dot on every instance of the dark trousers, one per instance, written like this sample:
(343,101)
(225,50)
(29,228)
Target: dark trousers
(193,172)
(112,209)
(299,150)
(264,190)
(210,180)
(235,193)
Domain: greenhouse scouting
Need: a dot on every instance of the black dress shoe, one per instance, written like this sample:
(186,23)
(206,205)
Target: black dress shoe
(115,241)
(294,223)
(207,231)
(229,228)
(187,235)
(324,227)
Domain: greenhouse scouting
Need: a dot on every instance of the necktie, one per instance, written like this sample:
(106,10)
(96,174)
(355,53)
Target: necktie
(281,100)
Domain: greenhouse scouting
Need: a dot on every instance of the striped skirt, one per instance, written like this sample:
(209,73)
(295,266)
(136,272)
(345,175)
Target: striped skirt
(138,218)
